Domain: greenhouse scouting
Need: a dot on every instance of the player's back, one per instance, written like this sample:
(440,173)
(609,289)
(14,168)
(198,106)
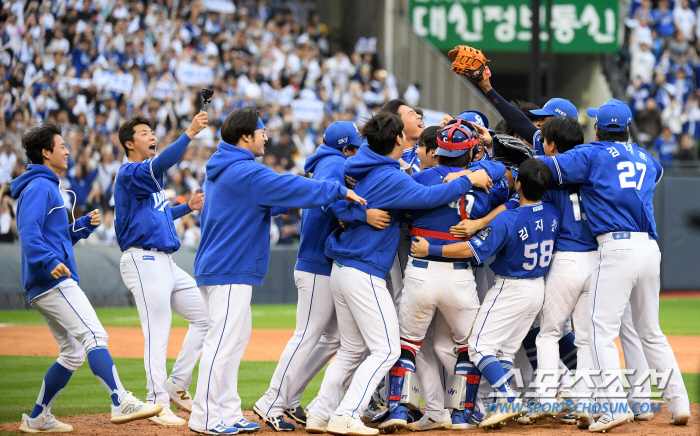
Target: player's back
(574,234)
(527,235)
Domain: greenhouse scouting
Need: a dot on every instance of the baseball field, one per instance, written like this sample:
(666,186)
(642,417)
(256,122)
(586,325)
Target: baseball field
(27,349)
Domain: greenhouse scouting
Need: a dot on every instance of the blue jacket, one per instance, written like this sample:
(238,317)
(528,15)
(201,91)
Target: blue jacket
(235,243)
(45,236)
(317,224)
(381,182)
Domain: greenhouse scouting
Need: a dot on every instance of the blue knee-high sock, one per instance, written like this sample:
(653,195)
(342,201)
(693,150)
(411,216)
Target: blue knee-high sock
(466,368)
(567,350)
(491,368)
(55,380)
(530,347)
(102,366)
(508,370)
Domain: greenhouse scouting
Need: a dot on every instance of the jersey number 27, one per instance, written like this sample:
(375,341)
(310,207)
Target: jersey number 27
(545,254)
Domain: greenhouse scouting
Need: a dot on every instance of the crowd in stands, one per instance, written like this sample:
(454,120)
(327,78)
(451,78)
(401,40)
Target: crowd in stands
(89,65)
(663,50)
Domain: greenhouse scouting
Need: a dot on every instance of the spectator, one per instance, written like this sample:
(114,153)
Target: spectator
(643,63)
(8,225)
(8,159)
(188,232)
(663,20)
(106,234)
(687,150)
(649,122)
(289,228)
(685,20)
(665,146)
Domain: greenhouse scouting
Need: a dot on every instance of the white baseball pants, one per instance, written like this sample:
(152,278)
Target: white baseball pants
(314,311)
(628,273)
(159,287)
(72,322)
(635,363)
(505,318)
(366,315)
(566,296)
(230,325)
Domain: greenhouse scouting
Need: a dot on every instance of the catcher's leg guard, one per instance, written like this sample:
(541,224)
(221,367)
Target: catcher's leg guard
(462,390)
(398,409)
(567,350)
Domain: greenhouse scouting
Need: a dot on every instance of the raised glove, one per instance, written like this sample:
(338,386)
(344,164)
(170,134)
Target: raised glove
(470,63)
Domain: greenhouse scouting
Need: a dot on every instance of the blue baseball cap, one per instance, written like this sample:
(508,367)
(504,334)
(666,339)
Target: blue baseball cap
(341,134)
(612,116)
(475,117)
(557,107)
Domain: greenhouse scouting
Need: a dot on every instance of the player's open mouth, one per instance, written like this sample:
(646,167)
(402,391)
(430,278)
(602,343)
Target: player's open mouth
(152,147)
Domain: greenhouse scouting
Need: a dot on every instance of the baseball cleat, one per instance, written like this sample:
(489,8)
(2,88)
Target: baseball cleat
(44,423)
(167,417)
(372,409)
(380,417)
(315,424)
(277,423)
(131,408)
(297,415)
(245,426)
(584,420)
(566,401)
(347,425)
(459,420)
(569,418)
(606,423)
(647,416)
(680,419)
(504,411)
(179,396)
(220,429)
(397,420)
(524,420)
(426,423)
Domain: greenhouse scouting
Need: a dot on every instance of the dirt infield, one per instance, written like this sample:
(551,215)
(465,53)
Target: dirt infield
(264,345)
(90,425)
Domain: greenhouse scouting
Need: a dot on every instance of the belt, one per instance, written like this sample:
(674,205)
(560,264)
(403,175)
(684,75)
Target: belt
(415,231)
(155,250)
(424,264)
(625,235)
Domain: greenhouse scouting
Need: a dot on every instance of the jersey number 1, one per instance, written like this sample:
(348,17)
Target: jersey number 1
(576,202)
(545,256)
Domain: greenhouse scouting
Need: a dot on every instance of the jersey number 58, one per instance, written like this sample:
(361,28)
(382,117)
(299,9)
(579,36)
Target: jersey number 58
(545,254)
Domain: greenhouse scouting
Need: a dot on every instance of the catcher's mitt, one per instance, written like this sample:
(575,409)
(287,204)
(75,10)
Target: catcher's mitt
(470,63)
(510,151)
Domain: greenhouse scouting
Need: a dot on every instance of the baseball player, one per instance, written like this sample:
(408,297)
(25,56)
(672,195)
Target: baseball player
(50,279)
(362,258)
(522,239)
(427,146)
(315,310)
(435,282)
(232,217)
(617,181)
(147,237)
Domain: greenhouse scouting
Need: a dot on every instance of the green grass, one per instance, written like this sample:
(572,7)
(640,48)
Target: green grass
(20,378)
(678,316)
(265,316)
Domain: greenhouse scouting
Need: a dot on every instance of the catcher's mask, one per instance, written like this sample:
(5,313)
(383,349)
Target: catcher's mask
(456,138)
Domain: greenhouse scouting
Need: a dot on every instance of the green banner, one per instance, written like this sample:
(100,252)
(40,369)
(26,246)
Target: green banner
(578,26)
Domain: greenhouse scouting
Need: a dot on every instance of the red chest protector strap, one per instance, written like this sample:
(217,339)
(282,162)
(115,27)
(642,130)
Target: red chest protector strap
(415,231)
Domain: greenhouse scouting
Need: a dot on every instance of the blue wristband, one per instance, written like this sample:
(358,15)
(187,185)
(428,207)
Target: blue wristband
(435,250)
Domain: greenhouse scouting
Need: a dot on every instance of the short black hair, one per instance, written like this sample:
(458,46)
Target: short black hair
(242,121)
(457,162)
(565,132)
(503,128)
(607,136)
(527,106)
(381,131)
(535,178)
(428,138)
(40,138)
(418,111)
(126,130)
(392,106)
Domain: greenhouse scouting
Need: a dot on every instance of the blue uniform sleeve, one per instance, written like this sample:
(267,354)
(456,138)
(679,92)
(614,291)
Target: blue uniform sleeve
(286,190)
(659,169)
(513,202)
(83,227)
(571,167)
(495,170)
(32,212)
(409,194)
(169,157)
(489,240)
(334,171)
(144,178)
(513,116)
(180,211)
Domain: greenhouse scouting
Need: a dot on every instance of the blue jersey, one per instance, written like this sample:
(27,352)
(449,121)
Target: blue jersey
(574,233)
(410,157)
(617,184)
(522,240)
(473,205)
(538,143)
(142,216)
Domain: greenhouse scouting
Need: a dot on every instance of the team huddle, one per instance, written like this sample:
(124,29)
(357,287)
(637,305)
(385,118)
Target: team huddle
(486,271)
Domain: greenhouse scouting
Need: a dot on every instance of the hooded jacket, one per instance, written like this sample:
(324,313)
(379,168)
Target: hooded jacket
(381,182)
(235,220)
(45,236)
(317,224)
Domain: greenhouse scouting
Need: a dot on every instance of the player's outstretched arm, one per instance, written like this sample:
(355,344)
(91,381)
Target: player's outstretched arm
(421,248)
(467,228)
(172,154)
(479,178)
